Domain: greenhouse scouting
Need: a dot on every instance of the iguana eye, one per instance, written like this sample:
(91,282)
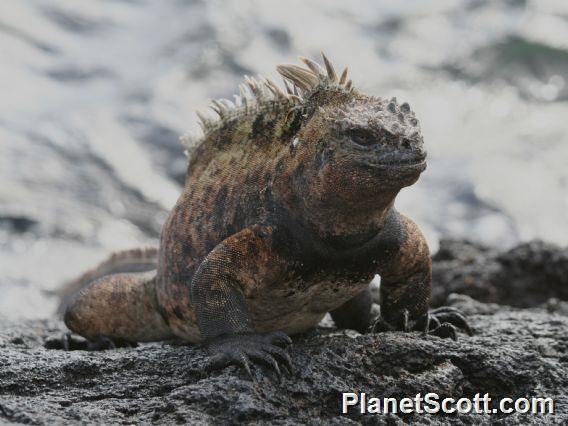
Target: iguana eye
(361,137)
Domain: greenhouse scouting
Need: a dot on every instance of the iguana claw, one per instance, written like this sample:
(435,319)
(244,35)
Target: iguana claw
(243,349)
(442,322)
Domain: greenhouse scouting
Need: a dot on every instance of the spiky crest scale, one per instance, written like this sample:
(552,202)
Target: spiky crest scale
(260,95)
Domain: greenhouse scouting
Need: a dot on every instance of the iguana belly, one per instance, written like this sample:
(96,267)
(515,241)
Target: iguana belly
(292,306)
(297,306)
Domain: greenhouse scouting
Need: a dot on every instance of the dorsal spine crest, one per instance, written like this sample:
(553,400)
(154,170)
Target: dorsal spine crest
(262,94)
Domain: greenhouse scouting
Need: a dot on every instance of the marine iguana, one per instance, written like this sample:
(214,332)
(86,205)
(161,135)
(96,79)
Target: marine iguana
(287,213)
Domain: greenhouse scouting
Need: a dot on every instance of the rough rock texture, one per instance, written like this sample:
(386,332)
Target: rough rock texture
(524,276)
(515,352)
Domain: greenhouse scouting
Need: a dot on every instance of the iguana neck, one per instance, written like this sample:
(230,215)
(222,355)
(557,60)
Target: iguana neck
(342,226)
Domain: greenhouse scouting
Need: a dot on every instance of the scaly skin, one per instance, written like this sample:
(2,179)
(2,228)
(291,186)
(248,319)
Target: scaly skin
(286,214)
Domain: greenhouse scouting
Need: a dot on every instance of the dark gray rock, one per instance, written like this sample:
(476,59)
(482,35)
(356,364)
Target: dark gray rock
(525,276)
(515,352)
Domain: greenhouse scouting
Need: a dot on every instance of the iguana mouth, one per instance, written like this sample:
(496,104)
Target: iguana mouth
(414,161)
(401,163)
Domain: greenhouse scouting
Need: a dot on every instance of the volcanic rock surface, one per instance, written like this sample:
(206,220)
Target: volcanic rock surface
(515,352)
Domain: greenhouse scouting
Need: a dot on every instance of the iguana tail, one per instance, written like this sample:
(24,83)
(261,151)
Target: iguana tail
(116,300)
(134,260)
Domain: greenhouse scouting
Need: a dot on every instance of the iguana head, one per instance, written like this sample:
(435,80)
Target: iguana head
(339,157)
(356,149)
(375,138)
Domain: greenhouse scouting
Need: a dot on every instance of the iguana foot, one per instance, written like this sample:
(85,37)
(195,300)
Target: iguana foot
(243,349)
(69,342)
(103,343)
(442,322)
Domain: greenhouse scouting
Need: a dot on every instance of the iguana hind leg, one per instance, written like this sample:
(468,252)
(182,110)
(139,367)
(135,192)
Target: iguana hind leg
(118,307)
(355,313)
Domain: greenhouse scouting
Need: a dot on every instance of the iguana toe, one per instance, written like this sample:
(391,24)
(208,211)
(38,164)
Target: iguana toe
(445,330)
(245,349)
(380,325)
(67,342)
(447,314)
(442,322)
(103,343)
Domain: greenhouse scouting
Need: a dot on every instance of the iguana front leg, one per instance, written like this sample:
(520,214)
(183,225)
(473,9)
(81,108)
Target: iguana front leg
(405,290)
(235,268)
